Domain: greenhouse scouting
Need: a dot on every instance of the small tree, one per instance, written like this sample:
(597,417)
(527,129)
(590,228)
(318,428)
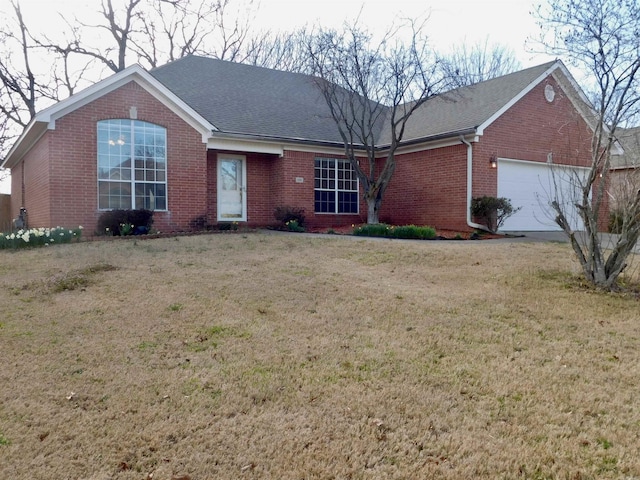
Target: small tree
(601,38)
(492,211)
(372,89)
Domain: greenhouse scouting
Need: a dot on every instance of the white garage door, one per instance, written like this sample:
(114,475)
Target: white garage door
(530,185)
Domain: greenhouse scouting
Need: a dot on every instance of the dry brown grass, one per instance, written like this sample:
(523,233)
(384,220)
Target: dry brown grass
(298,357)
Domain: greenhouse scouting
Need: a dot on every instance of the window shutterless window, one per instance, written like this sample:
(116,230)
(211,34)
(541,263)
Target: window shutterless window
(336,186)
(132,165)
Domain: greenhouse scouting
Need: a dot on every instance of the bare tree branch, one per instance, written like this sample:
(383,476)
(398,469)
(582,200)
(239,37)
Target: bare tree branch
(467,65)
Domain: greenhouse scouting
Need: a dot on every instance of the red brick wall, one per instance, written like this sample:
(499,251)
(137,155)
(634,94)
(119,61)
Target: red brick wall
(16,189)
(301,195)
(428,188)
(73,153)
(35,170)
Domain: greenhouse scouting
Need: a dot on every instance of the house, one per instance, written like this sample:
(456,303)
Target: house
(625,174)
(201,140)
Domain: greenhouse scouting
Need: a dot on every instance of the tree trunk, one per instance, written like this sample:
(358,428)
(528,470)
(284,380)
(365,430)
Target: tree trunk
(373,207)
(372,211)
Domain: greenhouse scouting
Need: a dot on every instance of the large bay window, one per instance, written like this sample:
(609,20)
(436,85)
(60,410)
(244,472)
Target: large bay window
(336,186)
(132,165)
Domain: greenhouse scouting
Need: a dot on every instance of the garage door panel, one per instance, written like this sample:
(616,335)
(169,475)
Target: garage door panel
(531,186)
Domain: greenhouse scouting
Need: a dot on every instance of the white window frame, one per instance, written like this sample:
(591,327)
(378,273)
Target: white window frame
(132,168)
(336,190)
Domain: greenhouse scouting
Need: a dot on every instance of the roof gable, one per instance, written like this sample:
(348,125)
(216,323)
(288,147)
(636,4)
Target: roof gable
(474,107)
(46,119)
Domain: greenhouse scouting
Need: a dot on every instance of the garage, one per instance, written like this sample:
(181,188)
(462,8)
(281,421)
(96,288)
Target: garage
(530,186)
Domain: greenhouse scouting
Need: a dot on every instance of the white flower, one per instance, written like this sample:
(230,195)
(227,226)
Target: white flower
(25,237)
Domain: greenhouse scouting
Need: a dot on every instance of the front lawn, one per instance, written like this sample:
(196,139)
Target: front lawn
(299,357)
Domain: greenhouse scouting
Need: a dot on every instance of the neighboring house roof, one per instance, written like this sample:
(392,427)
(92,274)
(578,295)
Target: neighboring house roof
(221,98)
(629,138)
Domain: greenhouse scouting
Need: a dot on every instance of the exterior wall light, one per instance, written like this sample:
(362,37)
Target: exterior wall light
(493,161)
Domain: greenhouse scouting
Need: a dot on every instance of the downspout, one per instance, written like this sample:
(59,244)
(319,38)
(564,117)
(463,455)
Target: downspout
(470,185)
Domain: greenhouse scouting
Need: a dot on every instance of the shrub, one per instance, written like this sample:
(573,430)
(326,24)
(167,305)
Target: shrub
(372,230)
(125,222)
(390,231)
(615,222)
(492,211)
(226,226)
(199,223)
(412,231)
(294,226)
(286,214)
(617,219)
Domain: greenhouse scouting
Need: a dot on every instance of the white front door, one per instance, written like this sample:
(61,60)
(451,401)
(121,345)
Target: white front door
(232,178)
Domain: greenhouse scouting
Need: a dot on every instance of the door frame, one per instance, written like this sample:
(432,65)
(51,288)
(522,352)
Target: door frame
(221,157)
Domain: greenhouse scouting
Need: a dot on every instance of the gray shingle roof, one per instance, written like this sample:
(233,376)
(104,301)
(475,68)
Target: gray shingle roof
(262,102)
(245,99)
(466,108)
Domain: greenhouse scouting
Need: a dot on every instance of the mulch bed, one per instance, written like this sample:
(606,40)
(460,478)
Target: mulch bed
(440,234)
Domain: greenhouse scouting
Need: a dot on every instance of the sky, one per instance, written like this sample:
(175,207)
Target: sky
(449,22)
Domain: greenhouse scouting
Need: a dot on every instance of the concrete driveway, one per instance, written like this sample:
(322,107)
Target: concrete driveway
(607,240)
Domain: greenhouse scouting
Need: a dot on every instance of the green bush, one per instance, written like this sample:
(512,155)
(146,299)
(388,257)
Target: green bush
(492,211)
(38,237)
(125,222)
(390,231)
(294,226)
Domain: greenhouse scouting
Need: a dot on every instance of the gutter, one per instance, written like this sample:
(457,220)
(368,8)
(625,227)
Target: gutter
(470,185)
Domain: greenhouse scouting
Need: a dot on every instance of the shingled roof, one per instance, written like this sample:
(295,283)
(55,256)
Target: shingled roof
(261,102)
(250,100)
(468,108)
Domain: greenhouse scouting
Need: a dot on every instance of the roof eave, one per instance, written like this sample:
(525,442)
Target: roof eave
(465,132)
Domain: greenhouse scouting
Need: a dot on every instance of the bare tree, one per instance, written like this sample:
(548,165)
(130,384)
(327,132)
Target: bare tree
(599,37)
(20,86)
(36,69)
(372,89)
(467,65)
(283,51)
